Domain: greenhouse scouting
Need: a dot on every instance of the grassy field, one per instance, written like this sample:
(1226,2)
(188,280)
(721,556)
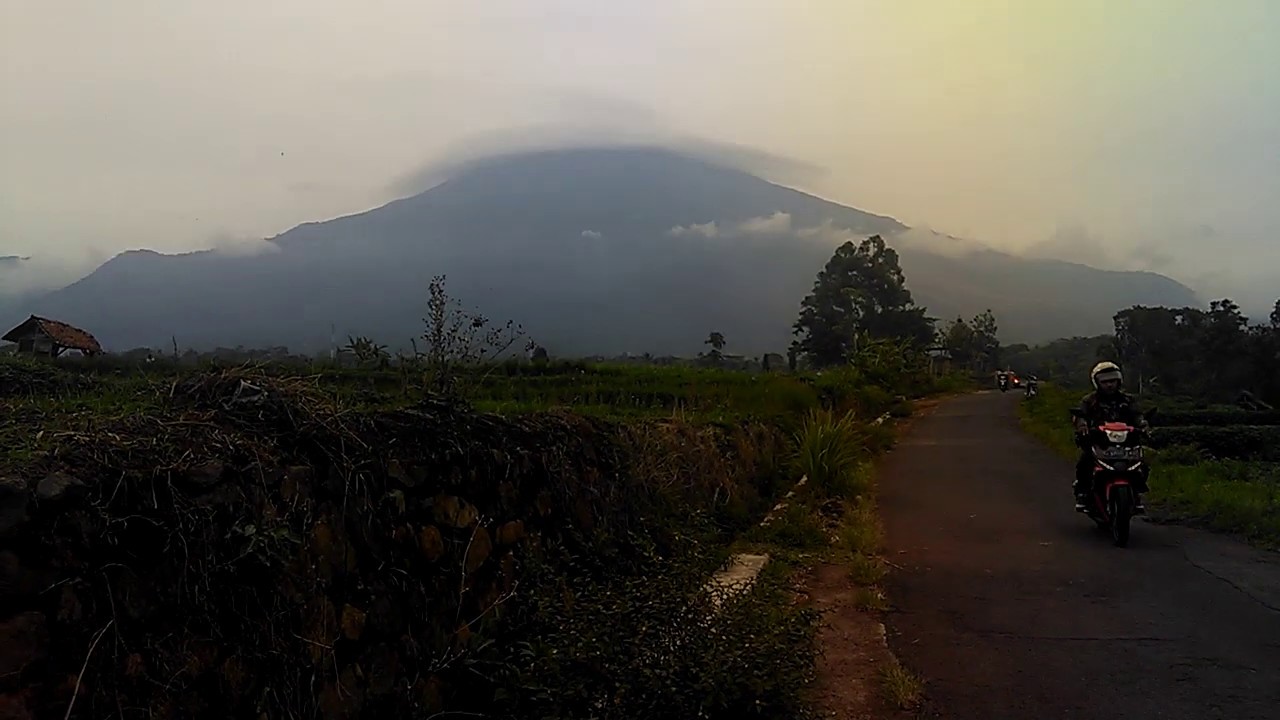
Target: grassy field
(1193,480)
(606,494)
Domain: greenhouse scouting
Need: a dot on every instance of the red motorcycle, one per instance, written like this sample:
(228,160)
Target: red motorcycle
(1119,470)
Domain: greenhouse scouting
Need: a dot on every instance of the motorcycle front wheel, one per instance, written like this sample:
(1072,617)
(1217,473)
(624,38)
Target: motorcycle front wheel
(1121,512)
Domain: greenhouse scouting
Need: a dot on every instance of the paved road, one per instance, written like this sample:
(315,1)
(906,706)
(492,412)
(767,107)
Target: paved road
(1012,606)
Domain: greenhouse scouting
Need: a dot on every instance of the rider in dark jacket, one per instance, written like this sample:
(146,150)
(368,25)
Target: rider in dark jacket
(1108,403)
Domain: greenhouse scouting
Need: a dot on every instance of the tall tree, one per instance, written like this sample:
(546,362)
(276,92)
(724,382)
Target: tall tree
(986,348)
(861,291)
(957,338)
(973,345)
(1265,340)
(1224,344)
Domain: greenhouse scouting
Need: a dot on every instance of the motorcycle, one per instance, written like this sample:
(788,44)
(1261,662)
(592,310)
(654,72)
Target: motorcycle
(1003,381)
(1032,390)
(1118,471)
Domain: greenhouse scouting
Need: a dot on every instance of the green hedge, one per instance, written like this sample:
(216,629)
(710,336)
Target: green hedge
(1254,442)
(1215,418)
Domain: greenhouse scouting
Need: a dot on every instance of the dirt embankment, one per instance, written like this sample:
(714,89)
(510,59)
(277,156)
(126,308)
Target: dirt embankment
(255,550)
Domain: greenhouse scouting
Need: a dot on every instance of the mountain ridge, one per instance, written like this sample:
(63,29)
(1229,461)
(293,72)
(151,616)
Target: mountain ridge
(594,251)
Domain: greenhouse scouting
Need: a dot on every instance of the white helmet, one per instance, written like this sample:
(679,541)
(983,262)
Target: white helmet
(1104,371)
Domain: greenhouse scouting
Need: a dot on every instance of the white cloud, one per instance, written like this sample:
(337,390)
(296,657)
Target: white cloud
(776,224)
(705,230)
(916,238)
(828,233)
(20,274)
(592,234)
(226,244)
(923,238)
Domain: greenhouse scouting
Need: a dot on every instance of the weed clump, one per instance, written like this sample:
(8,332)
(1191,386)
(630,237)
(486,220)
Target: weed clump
(901,686)
(829,449)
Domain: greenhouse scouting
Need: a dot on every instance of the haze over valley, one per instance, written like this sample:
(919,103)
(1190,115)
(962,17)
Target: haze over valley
(1036,133)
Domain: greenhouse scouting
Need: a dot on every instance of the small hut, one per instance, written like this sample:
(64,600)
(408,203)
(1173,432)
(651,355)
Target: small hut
(939,360)
(42,336)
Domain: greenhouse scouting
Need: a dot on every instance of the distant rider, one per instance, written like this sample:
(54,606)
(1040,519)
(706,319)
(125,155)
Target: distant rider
(1107,403)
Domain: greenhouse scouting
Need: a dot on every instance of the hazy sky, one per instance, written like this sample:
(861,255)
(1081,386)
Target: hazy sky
(1135,133)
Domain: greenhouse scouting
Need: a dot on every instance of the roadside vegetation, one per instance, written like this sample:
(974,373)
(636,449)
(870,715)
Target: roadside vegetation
(1212,375)
(446,533)
(1222,476)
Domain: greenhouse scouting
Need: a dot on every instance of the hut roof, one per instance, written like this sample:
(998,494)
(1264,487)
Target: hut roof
(68,336)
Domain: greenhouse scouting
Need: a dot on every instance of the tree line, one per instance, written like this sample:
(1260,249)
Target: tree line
(1214,355)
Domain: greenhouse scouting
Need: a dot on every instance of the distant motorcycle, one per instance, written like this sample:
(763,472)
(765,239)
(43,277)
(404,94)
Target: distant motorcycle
(1032,388)
(1118,466)
(1003,381)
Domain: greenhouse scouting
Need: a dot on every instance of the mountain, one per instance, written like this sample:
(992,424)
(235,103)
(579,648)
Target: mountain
(593,250)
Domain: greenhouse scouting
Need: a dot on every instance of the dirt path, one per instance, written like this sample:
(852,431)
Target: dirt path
(1012,606)
(854,653)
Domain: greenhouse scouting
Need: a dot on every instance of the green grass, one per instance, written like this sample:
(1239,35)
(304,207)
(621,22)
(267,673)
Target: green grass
(901,686)
(1225,495)
(796,527)
(1232,496)
(866,570)
(651,390)
(859,532)
(1047,418)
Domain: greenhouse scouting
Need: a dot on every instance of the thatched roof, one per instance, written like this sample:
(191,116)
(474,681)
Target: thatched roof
(68,336)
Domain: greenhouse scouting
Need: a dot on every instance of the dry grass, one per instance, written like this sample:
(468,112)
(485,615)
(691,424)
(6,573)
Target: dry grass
(870,599)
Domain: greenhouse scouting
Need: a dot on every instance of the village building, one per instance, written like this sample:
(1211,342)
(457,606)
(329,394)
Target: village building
(42,336)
